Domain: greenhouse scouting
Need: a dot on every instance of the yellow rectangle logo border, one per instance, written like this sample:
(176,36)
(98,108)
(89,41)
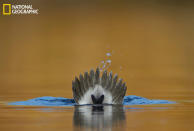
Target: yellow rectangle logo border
(6,13)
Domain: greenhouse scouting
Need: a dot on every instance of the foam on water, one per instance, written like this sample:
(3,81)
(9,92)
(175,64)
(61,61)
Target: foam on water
(60,101)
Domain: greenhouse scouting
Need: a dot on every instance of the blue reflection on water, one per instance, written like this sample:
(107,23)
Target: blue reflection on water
(60,101)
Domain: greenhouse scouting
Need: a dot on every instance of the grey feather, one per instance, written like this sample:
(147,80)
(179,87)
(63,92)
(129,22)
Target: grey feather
(121,92)
(114,81)
(81,79)
(104,79)
(117,90)
(76,97)
(91,78)
(78,88)
(97,76)
(86,81)
(109,83)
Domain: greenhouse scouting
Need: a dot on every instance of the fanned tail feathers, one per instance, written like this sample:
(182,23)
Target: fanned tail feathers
(107,81)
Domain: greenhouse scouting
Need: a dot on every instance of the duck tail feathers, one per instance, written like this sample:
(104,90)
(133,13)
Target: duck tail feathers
(108,82)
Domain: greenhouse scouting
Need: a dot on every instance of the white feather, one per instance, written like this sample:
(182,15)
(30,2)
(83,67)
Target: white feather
(97,91)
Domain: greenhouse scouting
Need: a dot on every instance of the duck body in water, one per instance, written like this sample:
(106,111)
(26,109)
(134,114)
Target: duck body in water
(93,88)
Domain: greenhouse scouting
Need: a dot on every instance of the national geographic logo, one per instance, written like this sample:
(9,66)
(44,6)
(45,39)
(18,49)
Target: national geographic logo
(9,9)
(6,9)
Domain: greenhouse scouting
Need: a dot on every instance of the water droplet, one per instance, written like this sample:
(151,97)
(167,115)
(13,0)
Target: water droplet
(108,61)
(108,54)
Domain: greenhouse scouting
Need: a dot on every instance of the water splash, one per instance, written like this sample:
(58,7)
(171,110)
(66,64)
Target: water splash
(60,101)
(104,65)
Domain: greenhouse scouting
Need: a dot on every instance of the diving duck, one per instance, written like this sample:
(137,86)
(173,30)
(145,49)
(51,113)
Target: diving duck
(94,88)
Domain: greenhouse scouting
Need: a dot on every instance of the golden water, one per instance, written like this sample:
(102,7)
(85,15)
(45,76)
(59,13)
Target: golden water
(152,50)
